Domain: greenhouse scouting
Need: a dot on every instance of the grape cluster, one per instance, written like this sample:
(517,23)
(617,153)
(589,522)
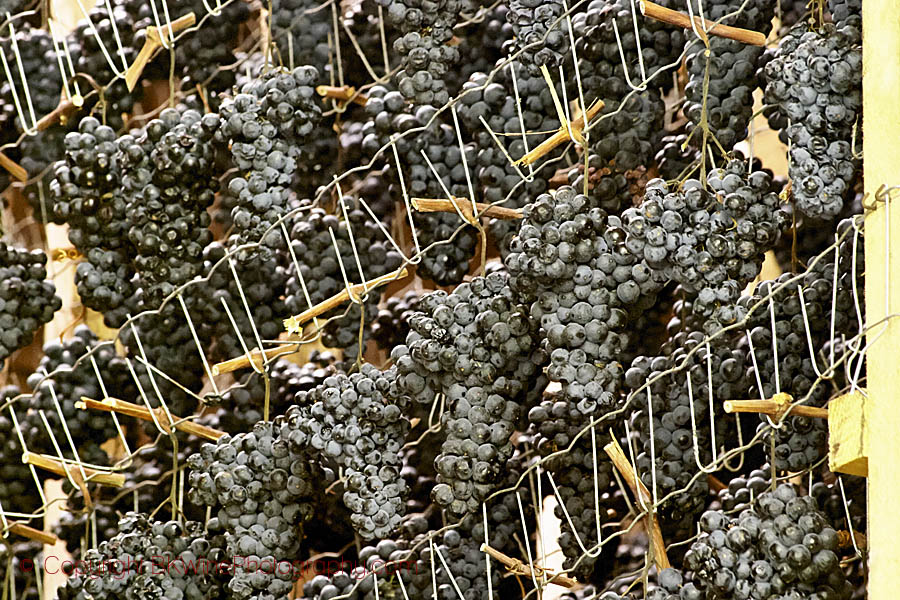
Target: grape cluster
(102,58)
(261,280)
(712,247)
(629,129)
(267,125)
(71,376)
(541,33)
(357,422)
(320,270)
(84,195)
(722,76)
(814,85)
(783,547)
(27,299)
(153,559)
(672,399)
(169,182)
(476,346)
(302,27)
(494,100)
(16,493)
(447,242)
(264,491)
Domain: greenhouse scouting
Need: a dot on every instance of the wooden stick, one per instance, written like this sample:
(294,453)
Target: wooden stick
(640,491)
(33,534)
(465,207)
(141,412)
(15,169)
(778,406)
(673,17)
(520,568)
(560,136)
(295,323)
(152,44)
(346,93)
(53,465)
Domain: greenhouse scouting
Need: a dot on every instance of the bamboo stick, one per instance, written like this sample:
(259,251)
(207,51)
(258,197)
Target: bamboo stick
(881,148)
(69,470)
(640,491)
(778,406)
(346,93)
(561,136)
(141,412)
(673,17)
(519,567)
(32,534)
(295,323)
(465,207)
(152,44)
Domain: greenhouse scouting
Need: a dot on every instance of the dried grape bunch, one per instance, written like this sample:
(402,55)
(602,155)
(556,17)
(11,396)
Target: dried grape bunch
(154,559)
(782,547)
(814,87)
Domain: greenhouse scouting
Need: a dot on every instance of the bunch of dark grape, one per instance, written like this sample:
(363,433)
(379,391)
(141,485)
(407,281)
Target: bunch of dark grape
(672,396)
(169,181)
(320,270)
(73,528)
(17,493)
(481,45)
(425,29)
(264,491)
(743,491)
(830,501)
(33,52)
(356,422)
(628,131)
(447,242)
(570,259)
(96,38)
(541,33)
(267,125)
(301,29)
(261,280)
(722,76)
(27,299)
(85,195)
(783,547)
(476,346)
(38,154)
(814,89)
(676,157)
(710,239)
(799,441)
(71,377)
(163,338)
(153,559)
(494,101)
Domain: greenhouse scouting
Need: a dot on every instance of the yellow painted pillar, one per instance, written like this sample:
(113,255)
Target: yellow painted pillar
(881,150)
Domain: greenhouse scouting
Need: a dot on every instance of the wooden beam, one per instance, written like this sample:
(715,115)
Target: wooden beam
(465,207)
(848,448)
(561,135)
(53,465)
(152,44)
(32,534)
(881,147)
